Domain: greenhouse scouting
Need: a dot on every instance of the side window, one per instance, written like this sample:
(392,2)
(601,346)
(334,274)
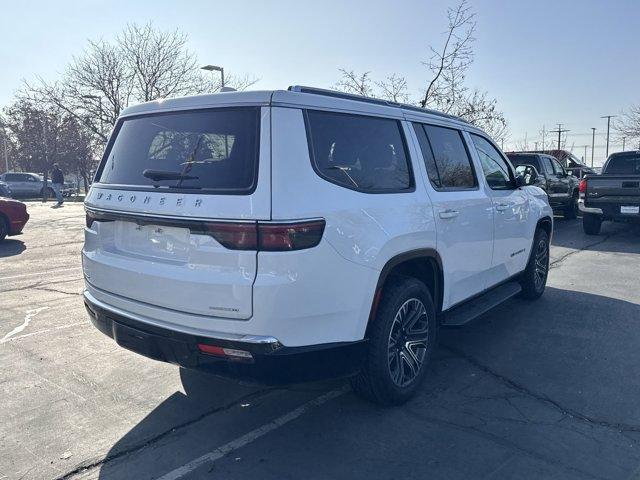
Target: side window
(494,167)
(362,153)
(11,177)
(427,155)
(548,167)
(557,168)
(451,159)
(30,178)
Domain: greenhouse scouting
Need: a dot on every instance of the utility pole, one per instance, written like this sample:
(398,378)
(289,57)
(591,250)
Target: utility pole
(585,154)
(560,131)
(543,133)
(608,117)
(536,144)
(593,142)
(623,141)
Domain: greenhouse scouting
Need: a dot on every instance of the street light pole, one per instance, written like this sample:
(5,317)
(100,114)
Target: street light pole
(623,142)
(593,141)
(608,117)
(215,68)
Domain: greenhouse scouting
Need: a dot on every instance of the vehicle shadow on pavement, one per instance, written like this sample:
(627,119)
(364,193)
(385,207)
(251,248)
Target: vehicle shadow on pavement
(525,376)
(9,248)
(572,237)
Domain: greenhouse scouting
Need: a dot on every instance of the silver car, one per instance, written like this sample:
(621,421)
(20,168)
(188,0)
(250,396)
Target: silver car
(24,184)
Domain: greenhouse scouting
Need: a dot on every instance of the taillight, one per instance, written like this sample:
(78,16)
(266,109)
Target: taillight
(235,236)
(267,237)
(230,353)
(293,236)
(582,186)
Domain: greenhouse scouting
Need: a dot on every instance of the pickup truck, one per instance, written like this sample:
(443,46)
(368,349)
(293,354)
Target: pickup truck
(612,195)
(553,178)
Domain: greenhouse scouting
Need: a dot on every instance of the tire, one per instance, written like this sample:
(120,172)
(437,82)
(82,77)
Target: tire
(4,228)
(402,339)
(571,210)
(50,192)
(534,277)
(591,224)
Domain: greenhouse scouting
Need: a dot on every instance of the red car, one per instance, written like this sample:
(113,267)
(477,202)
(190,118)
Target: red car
(13,217)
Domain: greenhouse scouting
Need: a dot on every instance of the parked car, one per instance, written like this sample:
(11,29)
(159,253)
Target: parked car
(69,189)
(13,217)
(24,184)
(283,236)
(572,164)
(5,191)
(553,178)
(612,195)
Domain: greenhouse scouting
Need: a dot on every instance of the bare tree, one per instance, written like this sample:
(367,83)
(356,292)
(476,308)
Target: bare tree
(446,91)
(356,83)
(628,125)
(394,88)
(450,63)
(142,64)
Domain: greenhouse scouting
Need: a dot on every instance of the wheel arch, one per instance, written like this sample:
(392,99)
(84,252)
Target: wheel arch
(546,223)
(423,264)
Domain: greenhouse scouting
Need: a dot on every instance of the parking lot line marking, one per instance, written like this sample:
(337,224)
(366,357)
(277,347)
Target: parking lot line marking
(253,435)
(29,314)
(41,273)
(46,330)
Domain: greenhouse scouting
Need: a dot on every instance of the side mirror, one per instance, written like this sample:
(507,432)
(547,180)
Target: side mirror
(526,175)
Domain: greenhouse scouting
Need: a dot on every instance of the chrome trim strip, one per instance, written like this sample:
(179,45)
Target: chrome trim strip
(159,216)
(234,337)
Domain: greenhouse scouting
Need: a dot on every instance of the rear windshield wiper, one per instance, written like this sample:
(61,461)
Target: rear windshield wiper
(344,170)
(158,175)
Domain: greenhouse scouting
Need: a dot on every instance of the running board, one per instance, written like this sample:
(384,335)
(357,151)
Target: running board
(468,311)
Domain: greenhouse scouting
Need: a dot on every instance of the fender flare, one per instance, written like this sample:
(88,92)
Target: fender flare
(423,253)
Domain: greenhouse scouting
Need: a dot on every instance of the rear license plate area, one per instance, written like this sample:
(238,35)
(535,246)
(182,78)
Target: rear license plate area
(156,241)
(630,210)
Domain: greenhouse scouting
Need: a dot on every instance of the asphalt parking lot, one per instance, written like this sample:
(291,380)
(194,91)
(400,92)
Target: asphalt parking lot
(547,389)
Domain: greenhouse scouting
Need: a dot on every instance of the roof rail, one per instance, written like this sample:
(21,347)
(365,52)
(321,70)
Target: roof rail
(375,101)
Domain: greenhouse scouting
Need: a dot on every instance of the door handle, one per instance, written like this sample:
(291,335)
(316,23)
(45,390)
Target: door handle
(501,207)
(449,214)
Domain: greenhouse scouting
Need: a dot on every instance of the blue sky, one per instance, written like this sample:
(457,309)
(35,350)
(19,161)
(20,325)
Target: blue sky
(545,61)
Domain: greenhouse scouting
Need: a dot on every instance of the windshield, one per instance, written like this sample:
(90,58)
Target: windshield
(214,150)
(624,164)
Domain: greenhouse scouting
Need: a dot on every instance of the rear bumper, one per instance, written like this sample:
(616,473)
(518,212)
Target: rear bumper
(584,209)
(609,211)
(271,363)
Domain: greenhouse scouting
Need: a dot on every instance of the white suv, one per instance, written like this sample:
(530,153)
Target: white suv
(284,236)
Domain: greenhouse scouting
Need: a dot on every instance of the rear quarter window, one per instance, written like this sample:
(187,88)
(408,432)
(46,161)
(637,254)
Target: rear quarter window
(209,151)
(366,154)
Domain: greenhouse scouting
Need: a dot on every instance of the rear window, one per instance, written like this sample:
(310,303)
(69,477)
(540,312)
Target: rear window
(204,150)
(361,153)
(628,164)
(524,160)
